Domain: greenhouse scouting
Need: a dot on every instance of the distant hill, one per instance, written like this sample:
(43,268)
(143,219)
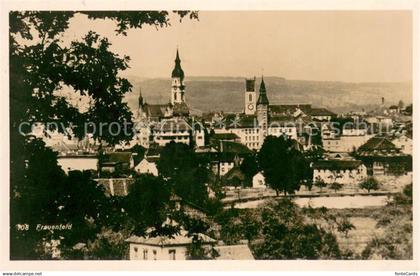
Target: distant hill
(205,94)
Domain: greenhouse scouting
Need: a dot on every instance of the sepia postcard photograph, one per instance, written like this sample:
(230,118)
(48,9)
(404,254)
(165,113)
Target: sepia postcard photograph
(147,134)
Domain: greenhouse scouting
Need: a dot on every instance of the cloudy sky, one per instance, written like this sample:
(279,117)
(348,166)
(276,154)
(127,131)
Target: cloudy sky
(354,46)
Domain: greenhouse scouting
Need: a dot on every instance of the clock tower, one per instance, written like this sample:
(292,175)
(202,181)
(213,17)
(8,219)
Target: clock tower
(250,97)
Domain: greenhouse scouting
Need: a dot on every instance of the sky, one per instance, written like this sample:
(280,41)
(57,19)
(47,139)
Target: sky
(350,46)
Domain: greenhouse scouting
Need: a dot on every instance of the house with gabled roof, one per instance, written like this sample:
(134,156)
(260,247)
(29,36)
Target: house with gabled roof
(165,247)
(382,157)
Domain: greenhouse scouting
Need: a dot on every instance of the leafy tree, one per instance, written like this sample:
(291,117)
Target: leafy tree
(408,194)
(182,169)
(336,186)
(344,225)
(395,241)
(108,245)
(320,183)
(41,67)
(197,250)
(283,166)
(370,184)
(33,197)
(287,236)
(84,205)
(249,167)
(308,184)
(147,203)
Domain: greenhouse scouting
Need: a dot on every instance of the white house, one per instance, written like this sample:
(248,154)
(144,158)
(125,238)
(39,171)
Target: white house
(249,136)
(289,131)
(258,181)
(167,130)
(340,171)
(164,247)
(78,162)
(404,144)
(199,138)
(147,165)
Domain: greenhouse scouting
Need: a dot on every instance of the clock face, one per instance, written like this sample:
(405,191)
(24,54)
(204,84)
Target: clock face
(251,107)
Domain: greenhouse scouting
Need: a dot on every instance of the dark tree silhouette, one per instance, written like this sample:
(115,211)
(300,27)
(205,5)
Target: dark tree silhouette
(179,165)
(283,166)
(40,65)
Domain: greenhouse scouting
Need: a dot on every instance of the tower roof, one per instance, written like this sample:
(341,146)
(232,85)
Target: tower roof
(141,100)
(178,72)
(250,85)
(262,99)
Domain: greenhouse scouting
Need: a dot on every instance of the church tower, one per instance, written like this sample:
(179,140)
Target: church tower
(262,109)
(250,97)
(178,88)
(140,110)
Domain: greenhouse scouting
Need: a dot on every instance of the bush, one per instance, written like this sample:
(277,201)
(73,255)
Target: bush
(336,186)
(370,184)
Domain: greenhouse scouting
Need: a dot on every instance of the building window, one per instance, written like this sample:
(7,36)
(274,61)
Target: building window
(144,254)
(135,251)
(154,254)
(172,253)
(250,97)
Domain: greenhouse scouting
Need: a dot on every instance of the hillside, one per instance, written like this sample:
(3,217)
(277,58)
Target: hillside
(205,94)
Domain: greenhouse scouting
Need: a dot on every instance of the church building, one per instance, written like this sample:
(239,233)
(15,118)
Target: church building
(177,106)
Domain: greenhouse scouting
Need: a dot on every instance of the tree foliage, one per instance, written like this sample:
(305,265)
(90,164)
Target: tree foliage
(370,184)
(179,165)
(284,167)
(147,203)
(286,235)
(249,167)
(41,68)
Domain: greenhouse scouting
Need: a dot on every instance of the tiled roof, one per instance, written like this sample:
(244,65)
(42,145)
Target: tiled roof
(281,120)
(155,110)
(235,172)
(181,239)
(174,124)
(118,157)
(321,112)
(336,164)
(290,108)
(180,109)
(241,121)
(378,143)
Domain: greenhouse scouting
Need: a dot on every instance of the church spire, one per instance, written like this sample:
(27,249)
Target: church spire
(262,99)
(177,59)
(178,72)
(141,100)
